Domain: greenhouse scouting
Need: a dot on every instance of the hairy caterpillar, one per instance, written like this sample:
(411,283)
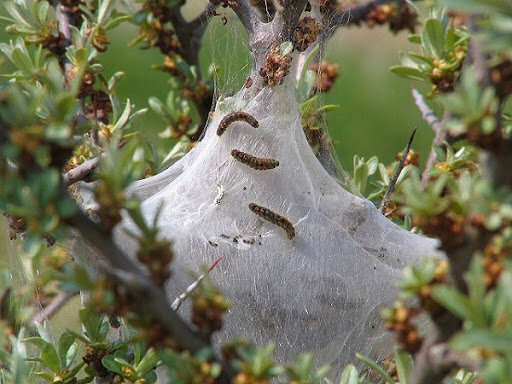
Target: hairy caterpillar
(274,218)
(253,161)
(236,116)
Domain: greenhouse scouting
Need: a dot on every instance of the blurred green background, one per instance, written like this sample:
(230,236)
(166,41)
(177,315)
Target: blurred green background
(376,114)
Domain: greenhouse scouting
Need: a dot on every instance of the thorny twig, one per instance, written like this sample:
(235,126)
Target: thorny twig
(55,305)
(437,126)
(392,182)
(192,287)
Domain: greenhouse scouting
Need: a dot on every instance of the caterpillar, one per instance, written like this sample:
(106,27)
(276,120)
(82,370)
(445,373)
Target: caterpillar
(274,218)
(236,116)
(254,162)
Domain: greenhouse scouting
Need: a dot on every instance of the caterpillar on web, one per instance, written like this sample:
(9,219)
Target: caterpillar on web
(274,218)
(236,116)
(254,162)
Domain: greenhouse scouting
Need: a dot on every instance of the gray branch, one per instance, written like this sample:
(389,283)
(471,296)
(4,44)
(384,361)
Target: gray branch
(51,309)
(247,16)
(153,299)
(81,171)
(437,126)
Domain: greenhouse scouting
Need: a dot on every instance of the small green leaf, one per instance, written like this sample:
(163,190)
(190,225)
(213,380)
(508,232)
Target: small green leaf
(453,300)
(105,10)
(350,375)
(403,363)
(42,11)
(148,362)
(433,38)
(376,368)
(22,60)
(286,48)
(114,80)
(92,323)
(123,119)
(50,358)
(114,364)
(408,72)
(66,340)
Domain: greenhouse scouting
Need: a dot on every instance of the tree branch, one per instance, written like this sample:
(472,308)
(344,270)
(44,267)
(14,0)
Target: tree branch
(353,15)
(176,304)
(201,21)
(154,300)
(81,171)
(356,15)
(437,126)
(247,16)
(287,17)
(51,309)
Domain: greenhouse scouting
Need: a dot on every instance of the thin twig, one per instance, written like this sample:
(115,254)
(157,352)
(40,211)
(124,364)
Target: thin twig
(437,126)
(392,182)
(247,16)
(428,115)
(201,21)
(81,171)
(355,15)
(192,287)
(51,309)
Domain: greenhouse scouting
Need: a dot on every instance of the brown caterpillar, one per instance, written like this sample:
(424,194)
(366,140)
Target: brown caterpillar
(236,116)
(254,162)
(274,218)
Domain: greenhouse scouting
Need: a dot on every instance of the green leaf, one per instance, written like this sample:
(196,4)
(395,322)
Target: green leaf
(453,300)
(328,108)
(408,72)
(403,363)
(286,48)
(50,358)
(114,80)
(158,107)
(498,341)
(22,60)
(376,368)
(42,11)
(114,22)
(349,375)
(433,38)
(148,362)
(92,323)
(114,364)
(123,119)
(66,340)
(105,10)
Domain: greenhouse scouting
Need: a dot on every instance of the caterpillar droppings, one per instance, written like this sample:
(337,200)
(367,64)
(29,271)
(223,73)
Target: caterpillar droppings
(274,218)
(254,162)
(236,116)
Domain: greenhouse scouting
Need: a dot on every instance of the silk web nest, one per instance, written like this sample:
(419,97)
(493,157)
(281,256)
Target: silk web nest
(306,264)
